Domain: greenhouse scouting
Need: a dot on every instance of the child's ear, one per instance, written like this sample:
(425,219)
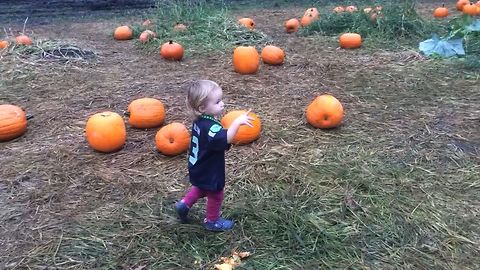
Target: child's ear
(201,108)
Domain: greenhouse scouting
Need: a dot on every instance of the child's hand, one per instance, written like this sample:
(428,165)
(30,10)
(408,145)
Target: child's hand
(244,119)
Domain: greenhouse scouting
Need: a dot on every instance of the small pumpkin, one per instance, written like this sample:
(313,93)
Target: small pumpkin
(146,113)
(339,9)
(461,3)
(172,139)
(246,60)
(350,40)
(367,10)
(106,132)
(13,122)
(146,36)
(470,9)
(123,33)
(4,44)
(351,9)
(325,111)
(180,27)
(292,25)
(147,22)
(23,40)
(441,12)
(307,20)
(273,55)
(312,11)
(172,51)
(247,22)
(245,134)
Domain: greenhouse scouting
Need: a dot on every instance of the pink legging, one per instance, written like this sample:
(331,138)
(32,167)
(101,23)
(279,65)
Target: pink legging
(214,201)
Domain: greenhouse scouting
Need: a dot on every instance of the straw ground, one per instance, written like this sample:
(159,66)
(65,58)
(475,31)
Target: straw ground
(395,187)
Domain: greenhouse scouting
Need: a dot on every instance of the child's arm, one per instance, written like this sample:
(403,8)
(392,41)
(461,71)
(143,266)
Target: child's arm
(243,119)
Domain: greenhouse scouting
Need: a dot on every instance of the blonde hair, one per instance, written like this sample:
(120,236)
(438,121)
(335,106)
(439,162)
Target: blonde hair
(198,93)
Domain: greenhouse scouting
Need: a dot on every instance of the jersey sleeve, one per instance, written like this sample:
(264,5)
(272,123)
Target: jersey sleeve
(217,138)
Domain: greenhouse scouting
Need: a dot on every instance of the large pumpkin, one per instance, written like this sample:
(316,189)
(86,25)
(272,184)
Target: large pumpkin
(123,33)
(292,25)
(247,22)
(325,111)
(146,113)
(171,51)
(246,60)
(273,55)
(23,40)
(106,132)
(350,40)
(13,122)
(470,9)
(172,139)
(245,134)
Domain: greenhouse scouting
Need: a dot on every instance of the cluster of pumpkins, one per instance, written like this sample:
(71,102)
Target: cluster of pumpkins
(106,131)
(19,40)
(465,6)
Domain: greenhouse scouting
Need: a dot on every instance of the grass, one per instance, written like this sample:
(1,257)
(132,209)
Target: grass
(210,27)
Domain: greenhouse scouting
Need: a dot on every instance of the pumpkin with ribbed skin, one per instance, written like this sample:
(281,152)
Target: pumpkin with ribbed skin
(247,22)
(106,132)
(172,139)
(441,12)
(172,51)
(23,40)
(292,25)
(13,122)
(350,40)
(4,44)
(325,111)
(245,134)
(273,55)
(123,33)
(146,113)
(246,60)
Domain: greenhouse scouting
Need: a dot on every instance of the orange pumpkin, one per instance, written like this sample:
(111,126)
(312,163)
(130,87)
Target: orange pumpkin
(171,51)
(351,9)
(23,40)
(312,11)
(146,36)
(13,122)
(246,60)
(172,139)
(350,40)
(180,27)
(470,9)
(339,9)
(4,44)
(146,113)
(106,132)
(292,25)
(273,55)
(461,3)
(123,33)
(247,22)
(325,111)
(245,134)
(307,20)
(441,12)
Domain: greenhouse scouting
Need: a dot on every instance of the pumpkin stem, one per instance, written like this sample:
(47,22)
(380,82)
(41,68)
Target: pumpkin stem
(29,116)
(170,42)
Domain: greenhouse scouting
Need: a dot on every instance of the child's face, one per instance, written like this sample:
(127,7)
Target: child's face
(214,104)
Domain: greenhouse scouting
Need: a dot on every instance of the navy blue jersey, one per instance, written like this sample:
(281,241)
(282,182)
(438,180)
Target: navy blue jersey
(206,161)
